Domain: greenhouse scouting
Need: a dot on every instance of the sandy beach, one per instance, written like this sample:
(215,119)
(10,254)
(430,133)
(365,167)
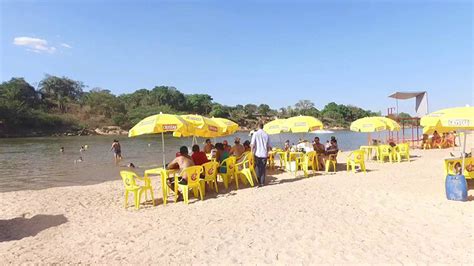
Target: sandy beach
(395,213)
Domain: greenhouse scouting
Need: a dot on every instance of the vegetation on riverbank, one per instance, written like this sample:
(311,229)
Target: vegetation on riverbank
(60,104)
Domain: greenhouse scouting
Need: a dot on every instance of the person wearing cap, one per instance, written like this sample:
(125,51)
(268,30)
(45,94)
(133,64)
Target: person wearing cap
(208,146)
(238,149)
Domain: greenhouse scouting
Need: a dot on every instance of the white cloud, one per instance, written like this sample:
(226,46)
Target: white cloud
(34,44)
(66,45)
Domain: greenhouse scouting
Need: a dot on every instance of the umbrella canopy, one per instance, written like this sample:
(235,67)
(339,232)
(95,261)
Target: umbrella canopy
(276,126)
(458,118)
(303,124)
(374,124)
(203,127)
(229,127)
(161,123)
(392,125)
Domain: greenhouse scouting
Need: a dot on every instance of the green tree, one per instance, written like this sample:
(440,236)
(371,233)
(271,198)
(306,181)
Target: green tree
(164,95)
(219,110)
(238,115)
(138,98)
(103,102)
(61,90)
(303,106)
(264,109)
(250,110)
(198,103)
(17,89)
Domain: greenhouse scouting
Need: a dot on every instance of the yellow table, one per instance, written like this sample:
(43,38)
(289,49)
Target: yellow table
(164,174)
(368,150)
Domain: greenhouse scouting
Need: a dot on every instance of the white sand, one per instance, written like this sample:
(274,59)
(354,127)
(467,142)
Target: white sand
(396,213)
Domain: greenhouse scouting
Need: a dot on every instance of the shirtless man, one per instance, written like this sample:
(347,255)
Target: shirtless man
(208,147)
(181,162)
(237,149)
(319,148)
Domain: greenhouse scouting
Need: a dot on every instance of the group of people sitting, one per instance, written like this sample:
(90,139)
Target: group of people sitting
(219,152)
(446,140)
(323,151)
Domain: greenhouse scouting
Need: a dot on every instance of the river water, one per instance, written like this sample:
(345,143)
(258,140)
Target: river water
(37,163)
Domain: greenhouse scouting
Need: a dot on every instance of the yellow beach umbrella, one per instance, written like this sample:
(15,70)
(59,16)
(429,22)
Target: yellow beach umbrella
(203,127)
(392,125)
(369,124)
(303,124)
(458,118)
(374,124)
(229,127)
(161,123)
(276,126)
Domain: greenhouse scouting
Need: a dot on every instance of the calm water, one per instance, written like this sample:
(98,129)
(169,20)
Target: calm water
(36,163)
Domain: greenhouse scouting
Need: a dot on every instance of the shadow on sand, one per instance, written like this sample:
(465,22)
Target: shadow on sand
(21,227)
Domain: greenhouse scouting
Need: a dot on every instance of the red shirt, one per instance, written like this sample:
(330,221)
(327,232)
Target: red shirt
(199,158)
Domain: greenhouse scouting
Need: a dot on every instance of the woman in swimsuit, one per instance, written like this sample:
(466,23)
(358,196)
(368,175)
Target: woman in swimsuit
(117,151)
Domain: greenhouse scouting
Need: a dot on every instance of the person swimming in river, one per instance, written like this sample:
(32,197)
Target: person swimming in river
(117,149)
(79,160)
(61,149)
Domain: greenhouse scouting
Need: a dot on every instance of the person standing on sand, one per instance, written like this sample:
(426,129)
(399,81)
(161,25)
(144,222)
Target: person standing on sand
(260,145)
(117,151)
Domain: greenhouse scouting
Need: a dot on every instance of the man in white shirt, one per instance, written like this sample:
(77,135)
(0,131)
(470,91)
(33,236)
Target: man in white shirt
(260,146)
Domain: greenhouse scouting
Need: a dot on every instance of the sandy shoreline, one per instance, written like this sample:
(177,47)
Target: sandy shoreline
(396,213)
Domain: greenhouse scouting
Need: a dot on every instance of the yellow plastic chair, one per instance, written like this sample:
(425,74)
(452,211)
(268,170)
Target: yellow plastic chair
(210,176)
(252,167)
(316,161)
(294,157)
(229,165)
(307,162)
(283,155)
(356,158)
(331,161)
(243,169)
(402,150)
(130,184)
(193,176)
(271,160)
(385,151)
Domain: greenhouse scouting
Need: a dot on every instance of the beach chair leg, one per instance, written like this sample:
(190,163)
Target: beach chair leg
(186,195)
(203,187)
(201,193)
(152,196)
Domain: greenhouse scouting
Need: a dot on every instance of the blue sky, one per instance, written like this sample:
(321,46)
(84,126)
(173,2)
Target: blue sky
(350,52)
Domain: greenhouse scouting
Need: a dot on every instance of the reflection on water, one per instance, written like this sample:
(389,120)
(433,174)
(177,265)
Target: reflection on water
(37,163)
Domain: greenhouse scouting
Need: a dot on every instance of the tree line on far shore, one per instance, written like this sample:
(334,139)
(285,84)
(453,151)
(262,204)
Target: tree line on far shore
(60,103)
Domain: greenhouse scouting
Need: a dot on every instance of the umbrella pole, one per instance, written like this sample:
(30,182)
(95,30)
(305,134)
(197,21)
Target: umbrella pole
(463,153)
(163,148)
